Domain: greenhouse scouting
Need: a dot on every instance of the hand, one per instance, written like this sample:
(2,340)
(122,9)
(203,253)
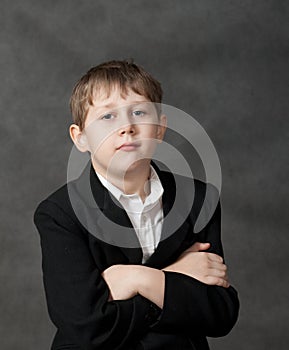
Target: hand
(205,267)
(120,281)
(125,281)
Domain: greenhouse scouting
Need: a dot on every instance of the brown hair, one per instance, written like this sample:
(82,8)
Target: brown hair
(123,74)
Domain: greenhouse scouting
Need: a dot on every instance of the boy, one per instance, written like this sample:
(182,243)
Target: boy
(113,278)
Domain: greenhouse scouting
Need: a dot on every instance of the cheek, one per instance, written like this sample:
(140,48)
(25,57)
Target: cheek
(150,132)
(100,147)
(99,139)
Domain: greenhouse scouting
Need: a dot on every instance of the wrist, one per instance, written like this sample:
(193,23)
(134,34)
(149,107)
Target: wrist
(170,268)
(150,283)
(132,278)
(137,276)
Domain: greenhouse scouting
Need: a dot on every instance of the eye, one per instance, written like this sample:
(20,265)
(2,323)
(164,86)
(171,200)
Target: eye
(138,113)
(107,116)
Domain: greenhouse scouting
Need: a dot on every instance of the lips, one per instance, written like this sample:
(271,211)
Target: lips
(129,146)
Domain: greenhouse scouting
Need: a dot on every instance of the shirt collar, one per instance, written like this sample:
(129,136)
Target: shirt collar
(155,186)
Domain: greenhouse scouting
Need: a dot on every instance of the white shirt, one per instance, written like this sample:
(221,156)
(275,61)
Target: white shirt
(147,217)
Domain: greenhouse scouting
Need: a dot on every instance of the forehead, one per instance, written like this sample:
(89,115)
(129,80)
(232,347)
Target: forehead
(116,97)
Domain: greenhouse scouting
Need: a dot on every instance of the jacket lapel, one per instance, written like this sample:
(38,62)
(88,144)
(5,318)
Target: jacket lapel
(114,222)
(113,225)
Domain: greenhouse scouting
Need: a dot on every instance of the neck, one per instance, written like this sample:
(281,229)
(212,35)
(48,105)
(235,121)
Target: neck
(136,181)
(133,181)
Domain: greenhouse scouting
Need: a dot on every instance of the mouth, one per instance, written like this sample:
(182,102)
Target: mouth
(128,146)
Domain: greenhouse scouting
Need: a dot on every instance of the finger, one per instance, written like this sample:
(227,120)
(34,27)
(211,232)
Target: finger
(223,283)
(217,265)
(198,246)
(215,257)
(203,246)
(213,272)
(217,274)
(217,281)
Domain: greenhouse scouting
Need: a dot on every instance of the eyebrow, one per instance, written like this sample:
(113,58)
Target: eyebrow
(112,105)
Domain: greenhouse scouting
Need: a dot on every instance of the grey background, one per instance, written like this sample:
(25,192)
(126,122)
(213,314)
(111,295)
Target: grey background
(224,62)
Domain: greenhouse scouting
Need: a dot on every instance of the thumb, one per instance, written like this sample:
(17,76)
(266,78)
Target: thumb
(202,246)
(198,246)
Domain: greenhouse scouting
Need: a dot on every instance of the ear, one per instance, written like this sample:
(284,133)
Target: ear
(161,128)
(78,137)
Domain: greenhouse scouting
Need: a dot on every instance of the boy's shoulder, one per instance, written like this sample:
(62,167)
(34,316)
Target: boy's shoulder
(56,204)
(81,192)
(61,197)
(188,187)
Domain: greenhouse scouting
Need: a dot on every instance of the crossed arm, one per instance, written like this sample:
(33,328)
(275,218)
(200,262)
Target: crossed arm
(77,291)
(126,281)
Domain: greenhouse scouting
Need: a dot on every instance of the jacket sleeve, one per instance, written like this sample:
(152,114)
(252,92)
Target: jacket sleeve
(193,307)
(77,294)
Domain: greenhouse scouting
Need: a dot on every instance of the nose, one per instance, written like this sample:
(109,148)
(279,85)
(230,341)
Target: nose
(128,129)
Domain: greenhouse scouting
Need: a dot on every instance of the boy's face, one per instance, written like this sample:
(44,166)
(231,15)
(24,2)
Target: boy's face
(121,132)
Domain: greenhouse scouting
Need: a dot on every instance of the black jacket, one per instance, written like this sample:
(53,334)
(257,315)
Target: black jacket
(78,244)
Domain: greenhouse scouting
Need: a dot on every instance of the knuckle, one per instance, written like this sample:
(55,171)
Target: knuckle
(209,280)
(220,274)
(218,281)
